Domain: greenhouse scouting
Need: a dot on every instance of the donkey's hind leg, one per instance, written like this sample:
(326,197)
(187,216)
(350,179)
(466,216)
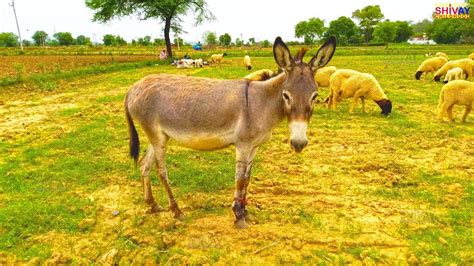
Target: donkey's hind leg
(145,166)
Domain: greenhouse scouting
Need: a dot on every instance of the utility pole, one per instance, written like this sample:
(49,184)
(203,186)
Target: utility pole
(17,26)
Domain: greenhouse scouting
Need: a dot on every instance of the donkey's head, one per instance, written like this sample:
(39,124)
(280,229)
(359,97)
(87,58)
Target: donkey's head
(299,90)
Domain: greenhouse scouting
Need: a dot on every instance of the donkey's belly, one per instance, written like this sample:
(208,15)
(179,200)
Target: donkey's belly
(204,141)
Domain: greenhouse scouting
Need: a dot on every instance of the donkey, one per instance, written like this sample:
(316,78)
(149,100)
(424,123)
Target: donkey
(209,114)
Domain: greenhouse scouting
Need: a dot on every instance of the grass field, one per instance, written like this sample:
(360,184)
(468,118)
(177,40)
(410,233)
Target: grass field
(368,189)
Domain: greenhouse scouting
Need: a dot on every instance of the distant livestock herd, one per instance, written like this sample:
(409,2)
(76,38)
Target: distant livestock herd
(346,83)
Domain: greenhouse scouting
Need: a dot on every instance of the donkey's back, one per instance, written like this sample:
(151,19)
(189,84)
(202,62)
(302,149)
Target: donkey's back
(200,113)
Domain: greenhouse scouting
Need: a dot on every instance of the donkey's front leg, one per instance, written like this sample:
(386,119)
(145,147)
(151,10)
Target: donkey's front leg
(243,169)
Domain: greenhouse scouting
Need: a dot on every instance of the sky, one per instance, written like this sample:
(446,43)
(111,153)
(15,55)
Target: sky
(260,19)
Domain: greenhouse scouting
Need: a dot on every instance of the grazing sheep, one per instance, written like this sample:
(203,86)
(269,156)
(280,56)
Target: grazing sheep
(471,56)
(441,54)
(198,62)
(346,83)
(217,58)
(247,63)
(466,65)
(454,74)
(430,65)
(323,75)
(260,75)
(458,92)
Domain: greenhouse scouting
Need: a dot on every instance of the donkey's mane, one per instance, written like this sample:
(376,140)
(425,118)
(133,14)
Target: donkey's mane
(300,54)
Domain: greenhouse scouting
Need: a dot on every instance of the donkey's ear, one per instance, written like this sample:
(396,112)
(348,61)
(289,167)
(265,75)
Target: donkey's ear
(324,54)
(282,54)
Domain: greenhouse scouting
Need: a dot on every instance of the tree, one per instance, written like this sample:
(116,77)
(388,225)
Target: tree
(446,30)
(265,43)
(225,39)
(109,39)
(468,28)
(344,29)
(168,12)
(158,41)
(368,17)
(310,29)
(422,27)
(251,41)
(120,41)
(26,43)
(64,38)
(385,32)
(404,31)
(8,39)
(83,40)
(239,42)
(40,37)
(209,38)
(146,40)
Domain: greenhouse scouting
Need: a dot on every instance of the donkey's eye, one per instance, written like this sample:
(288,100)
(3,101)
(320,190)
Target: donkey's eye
(286,96)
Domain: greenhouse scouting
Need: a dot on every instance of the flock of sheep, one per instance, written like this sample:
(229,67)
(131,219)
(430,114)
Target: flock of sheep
(346,83)
(457,91)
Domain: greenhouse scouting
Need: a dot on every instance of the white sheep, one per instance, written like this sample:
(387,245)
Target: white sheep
(430,65)
(198,62)
(346,83)
(247,62)
(217,58)
(323,75)
(441,54)
(465,64)
(454,74)
(458,92)
(260,75)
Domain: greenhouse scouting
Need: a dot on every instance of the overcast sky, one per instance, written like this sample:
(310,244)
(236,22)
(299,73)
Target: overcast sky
(261,19)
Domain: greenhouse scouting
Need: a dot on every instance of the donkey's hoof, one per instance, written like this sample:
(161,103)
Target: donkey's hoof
(155,208)
(241,224)
(178,214)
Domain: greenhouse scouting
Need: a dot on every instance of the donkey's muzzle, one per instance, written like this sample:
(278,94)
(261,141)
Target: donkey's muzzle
(298,145)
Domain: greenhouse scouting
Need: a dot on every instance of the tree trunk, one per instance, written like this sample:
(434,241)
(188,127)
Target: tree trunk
(167,38)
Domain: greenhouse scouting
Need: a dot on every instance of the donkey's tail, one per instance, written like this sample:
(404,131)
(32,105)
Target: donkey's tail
(134,142)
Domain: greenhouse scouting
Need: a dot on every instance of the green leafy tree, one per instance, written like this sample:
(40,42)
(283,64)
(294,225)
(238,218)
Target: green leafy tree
(83,40)
(468,27)
(209,38)
(422,27)
(251,41)
(225,39)
(109,39)
(446,30)
(27,43)
(344,29)
(158,41)
(40,37)
(404,31)
(168,12)
(146,40)
(64,38)
(265,43)
(120,41)
(368,17)
(8,39)
(309,30)
(239,42)
(385,32)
